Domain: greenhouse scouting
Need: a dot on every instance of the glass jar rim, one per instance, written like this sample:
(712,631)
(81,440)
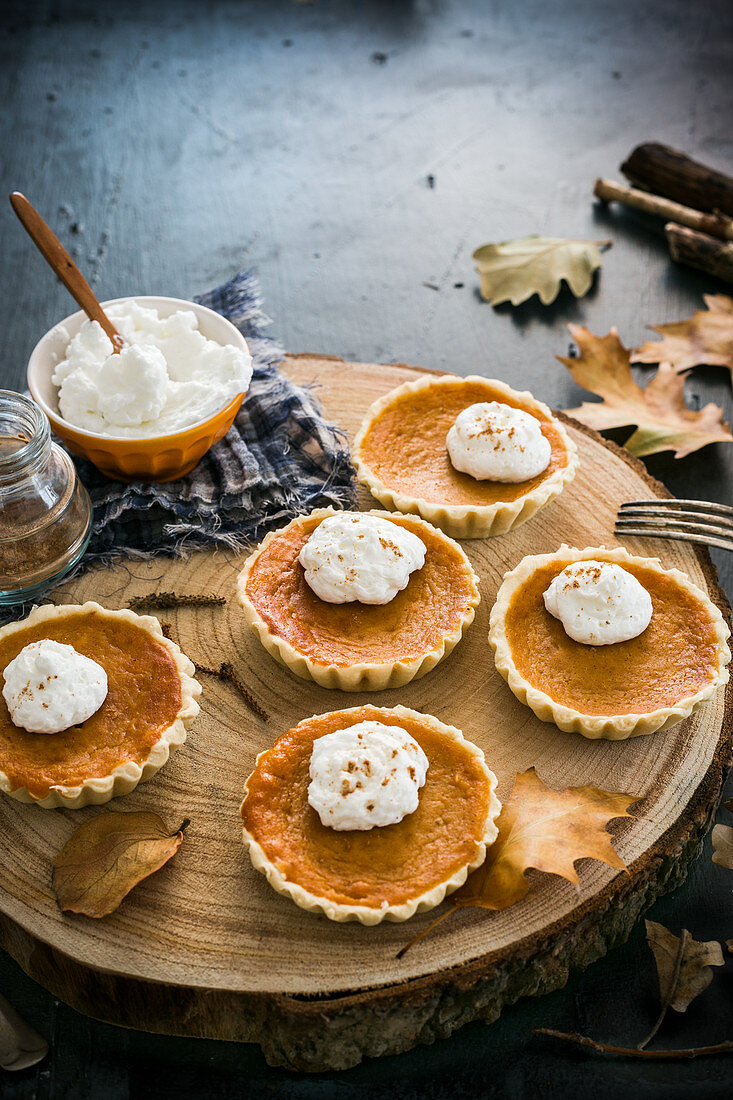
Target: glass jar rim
(32,425)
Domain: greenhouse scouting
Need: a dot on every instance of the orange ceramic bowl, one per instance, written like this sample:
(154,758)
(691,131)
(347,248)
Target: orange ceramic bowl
(161,458)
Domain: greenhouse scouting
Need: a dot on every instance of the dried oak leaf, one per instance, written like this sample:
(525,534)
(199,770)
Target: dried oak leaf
(107,856)
(513,271)
(694,973)
(548,830)
(723,846)
(664,423)
(705,338)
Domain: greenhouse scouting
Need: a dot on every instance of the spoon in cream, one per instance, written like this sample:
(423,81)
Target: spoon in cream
(56,255)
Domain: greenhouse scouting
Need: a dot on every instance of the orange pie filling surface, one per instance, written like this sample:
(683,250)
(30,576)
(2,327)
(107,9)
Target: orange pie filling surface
(673,659)
(414,623)
(143,700)
(405,446)
(393,863)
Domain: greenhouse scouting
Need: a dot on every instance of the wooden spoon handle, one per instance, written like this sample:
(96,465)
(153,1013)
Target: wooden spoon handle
(56,255)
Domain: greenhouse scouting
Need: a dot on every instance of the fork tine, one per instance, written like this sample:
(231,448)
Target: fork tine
(670,515)
(701,521)
(678,522)
(671,532)
(667,503)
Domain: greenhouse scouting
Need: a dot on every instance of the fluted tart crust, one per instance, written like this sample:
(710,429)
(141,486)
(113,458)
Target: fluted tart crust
(612,691)
(386,873)
(354,646)
(151,701)
(400,455)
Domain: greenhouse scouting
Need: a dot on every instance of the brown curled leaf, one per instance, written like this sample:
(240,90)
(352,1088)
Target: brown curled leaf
(548,830)
(681,979)
(107,856)
(723,846)
(543,829)
(664,422)
(706,338)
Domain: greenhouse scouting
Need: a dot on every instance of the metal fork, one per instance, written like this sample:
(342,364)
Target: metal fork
(687,520)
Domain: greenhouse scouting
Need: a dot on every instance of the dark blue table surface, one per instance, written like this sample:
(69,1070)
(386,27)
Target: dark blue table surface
(351,153)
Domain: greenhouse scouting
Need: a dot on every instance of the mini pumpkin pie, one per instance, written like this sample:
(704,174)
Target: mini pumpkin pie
(606,644)
(471,455)
(370,813)
(93,702)
(359,601)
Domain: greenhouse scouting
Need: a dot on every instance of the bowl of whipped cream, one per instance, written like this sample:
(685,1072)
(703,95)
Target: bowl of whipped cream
(153,410)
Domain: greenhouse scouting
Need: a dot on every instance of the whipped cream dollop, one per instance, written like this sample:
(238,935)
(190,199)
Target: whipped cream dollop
(367,775)
(50,687)
(355,556)
(496,442)
(167,377)
(599,603)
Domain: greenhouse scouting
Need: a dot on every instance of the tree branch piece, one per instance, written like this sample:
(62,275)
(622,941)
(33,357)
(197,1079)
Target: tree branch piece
(634,1052)
(158,601)
(226,672)
(698,250)
(717,225)
(665,171)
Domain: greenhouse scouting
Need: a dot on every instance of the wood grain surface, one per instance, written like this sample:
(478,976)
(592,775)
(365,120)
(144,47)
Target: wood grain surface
(208,933)
(350,154)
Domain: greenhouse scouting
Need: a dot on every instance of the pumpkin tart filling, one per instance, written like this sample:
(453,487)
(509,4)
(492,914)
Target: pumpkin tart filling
(400,454)
(634,686)
(149,703)
(389,871)
(358,646)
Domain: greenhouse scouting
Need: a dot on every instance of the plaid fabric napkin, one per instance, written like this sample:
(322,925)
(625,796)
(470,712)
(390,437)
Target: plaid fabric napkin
(279,459)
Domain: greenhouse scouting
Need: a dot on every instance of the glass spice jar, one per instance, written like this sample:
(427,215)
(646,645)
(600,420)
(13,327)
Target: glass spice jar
(45,511)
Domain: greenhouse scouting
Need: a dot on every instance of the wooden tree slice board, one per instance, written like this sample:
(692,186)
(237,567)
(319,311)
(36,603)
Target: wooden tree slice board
(206,948)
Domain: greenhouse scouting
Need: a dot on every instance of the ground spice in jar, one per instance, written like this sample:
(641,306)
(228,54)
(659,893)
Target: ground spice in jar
(45,512)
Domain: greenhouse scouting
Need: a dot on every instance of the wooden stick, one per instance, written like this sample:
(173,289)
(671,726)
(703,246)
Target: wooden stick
(665,171)
(698,250)
(633,1052)
(717,225)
